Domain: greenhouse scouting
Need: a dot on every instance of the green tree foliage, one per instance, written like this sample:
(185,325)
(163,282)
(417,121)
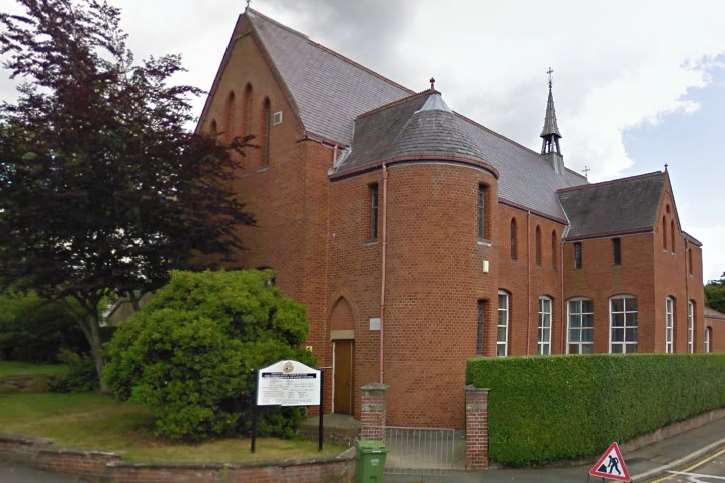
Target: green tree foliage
(544,409)
(103,189)
(190,353)
(715,294)
(33,329)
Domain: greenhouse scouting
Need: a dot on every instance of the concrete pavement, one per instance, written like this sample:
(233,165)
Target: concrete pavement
(645,464)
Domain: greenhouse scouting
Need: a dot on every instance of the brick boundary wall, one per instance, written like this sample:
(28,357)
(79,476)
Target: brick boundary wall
(373,412)
(96,465)
(476,428)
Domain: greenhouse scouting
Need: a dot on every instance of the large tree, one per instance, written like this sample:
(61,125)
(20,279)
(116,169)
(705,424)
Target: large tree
(715,294)
(103,189)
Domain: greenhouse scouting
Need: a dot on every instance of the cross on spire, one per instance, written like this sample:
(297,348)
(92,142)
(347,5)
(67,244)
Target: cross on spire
(432,83)
(550,71)
(586,171)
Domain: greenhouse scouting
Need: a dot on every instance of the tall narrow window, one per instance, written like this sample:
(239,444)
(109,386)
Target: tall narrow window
(480,327)
(554,249)
(623,324)
(514,240)
(580,335)
(691,327)
(689,260)
(672,236)
(544,341)
(374,210)
(229,118)
(538,245)
(669,325)
(577,255)
(213,129)
(664,233)
(247,112)
(502,332)
(266,125)
(708,339)
(481,211)
(617,250)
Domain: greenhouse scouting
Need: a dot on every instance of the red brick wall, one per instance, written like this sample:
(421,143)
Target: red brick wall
(717,340)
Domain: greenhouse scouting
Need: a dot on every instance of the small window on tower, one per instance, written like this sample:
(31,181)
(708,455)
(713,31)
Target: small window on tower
(277,118)
(373,193)
(617,250)
(577,255)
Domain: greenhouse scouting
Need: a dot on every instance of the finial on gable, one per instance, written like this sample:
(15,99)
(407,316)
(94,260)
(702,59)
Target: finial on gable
(666,166)
(249,3)
(432,83)
(586,171)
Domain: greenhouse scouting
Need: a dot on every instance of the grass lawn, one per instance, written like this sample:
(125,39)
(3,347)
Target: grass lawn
(13,369)
(94,421)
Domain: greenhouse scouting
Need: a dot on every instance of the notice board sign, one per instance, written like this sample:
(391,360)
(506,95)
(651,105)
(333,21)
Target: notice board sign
(288,383)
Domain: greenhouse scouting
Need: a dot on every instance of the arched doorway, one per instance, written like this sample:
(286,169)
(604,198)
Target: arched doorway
(342,335)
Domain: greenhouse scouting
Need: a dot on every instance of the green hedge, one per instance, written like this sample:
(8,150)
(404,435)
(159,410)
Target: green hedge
(544,409)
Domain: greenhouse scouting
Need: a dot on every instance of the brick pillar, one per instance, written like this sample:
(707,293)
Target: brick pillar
(372,412)
(476,428)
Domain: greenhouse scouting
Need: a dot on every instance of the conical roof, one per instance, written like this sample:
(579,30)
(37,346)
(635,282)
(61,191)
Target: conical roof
(550,125)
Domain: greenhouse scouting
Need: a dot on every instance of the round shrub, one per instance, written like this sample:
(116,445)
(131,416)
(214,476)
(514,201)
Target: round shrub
(190,353)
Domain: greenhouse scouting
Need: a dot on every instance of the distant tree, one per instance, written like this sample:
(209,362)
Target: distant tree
(715,294)
(103,189)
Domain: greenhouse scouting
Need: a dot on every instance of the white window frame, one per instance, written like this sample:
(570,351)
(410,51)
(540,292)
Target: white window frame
(506,310)
(625,343)
(544,344)
(669,325)
(691,327)
(708,330)
(580,314)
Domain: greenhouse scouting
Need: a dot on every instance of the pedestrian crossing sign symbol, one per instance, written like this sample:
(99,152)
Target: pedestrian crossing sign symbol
(611,465)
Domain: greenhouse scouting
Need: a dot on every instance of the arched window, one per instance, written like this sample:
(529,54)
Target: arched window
(502,332)
(708,339)
(266,125)
(689,260)
(672,235)
(623,324)
(514,240)
(538,245)
(691,327)
(664,233)
(669,325)
(229,120)
(580,333)
(213,129)
(554,249)
(483,230)
(247,110)
(480,326)
(544,335)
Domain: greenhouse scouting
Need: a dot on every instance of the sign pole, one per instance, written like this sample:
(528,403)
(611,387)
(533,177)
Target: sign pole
(254,411)
(321,428)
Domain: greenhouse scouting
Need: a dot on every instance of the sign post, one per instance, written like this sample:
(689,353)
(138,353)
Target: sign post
(288,384)
(611,465)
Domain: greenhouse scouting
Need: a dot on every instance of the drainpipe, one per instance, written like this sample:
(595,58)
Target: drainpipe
(382,278)
(528,279)
(564,322)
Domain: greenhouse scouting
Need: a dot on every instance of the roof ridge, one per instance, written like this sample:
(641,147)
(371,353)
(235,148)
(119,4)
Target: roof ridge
(395,102)
(332,52)
(491,131)
(608,182)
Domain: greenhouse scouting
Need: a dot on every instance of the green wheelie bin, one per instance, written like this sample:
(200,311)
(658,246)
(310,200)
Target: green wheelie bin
(370,464)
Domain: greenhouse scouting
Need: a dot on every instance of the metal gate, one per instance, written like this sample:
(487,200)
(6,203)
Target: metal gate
(423,450)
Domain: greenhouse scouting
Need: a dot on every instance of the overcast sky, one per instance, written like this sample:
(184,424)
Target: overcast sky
(636,84)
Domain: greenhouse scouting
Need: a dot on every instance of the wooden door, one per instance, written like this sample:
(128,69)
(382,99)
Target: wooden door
(343,376)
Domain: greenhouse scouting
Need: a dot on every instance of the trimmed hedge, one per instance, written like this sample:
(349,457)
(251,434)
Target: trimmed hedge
(543,409)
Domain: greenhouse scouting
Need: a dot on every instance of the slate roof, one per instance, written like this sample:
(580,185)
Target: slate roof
(331,91)
(625,205)
(711,313)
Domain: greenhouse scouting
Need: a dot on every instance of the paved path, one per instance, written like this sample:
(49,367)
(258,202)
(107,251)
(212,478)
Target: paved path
(710,468)
(642,461)
(11,473)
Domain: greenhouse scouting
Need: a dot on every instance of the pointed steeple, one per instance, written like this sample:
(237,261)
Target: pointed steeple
(550,133)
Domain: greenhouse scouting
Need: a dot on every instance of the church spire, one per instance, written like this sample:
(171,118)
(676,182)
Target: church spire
(550,133)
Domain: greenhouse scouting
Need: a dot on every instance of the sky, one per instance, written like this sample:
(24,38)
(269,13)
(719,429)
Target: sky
(636,84)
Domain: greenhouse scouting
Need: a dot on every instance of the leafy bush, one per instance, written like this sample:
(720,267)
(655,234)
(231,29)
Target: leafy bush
(544,409)
(189,354)
(32,329)
(81,375)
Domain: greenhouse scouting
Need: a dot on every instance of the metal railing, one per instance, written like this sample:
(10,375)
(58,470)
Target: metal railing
(423,450)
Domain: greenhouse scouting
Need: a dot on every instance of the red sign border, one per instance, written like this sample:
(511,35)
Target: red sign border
(595,469)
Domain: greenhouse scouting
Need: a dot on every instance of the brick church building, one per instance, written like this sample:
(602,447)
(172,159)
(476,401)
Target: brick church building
(418,238)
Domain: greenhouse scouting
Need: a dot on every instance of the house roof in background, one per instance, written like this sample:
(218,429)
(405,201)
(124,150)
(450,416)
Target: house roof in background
(711,313)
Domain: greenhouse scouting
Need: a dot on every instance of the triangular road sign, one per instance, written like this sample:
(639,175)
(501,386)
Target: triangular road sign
(611,465)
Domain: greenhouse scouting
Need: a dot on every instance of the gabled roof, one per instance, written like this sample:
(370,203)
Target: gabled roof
(626,205)
(330,90)
(711,313)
